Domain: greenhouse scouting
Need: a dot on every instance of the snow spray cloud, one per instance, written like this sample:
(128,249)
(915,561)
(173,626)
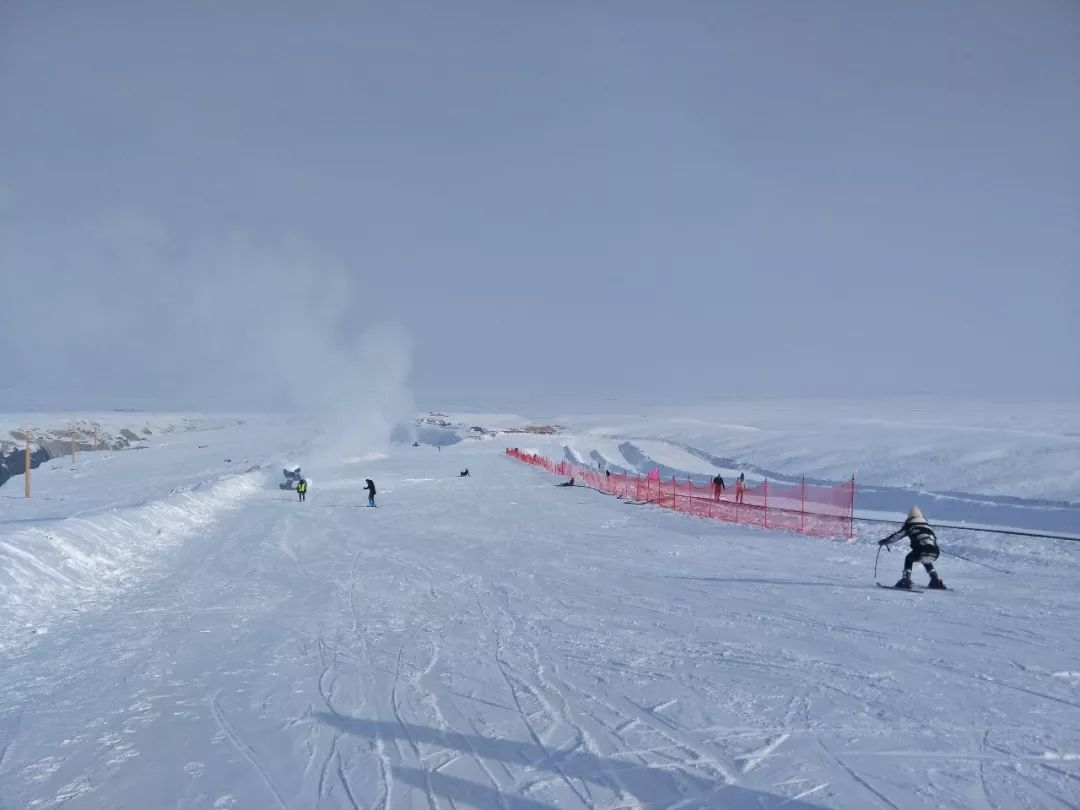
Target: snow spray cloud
(121,315)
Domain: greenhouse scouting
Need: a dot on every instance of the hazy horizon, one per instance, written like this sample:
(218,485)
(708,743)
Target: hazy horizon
(374,208)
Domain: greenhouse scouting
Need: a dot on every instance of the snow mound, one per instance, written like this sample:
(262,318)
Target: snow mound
(76,562)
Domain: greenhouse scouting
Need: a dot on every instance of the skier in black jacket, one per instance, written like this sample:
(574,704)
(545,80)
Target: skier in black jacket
(718,486)
(370,491)
(924,548)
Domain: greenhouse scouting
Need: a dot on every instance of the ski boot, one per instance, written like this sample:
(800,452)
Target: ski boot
(936,583)
(905,582)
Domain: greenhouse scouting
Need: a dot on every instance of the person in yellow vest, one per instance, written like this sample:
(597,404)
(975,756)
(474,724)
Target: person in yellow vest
(301,488)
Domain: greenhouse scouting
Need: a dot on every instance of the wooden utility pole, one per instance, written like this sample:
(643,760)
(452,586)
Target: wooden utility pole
(27,465)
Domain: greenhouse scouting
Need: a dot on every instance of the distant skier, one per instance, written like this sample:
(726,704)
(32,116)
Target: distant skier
(464,473)
(370,491)
(740,488)
(301,488)
(718,486)
(569,483)
(924,548)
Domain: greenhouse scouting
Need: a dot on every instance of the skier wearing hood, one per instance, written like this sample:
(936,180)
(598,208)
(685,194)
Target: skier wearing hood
(370,487)
(924,548)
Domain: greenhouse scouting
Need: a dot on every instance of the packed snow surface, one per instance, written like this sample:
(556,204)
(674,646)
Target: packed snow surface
(199,639)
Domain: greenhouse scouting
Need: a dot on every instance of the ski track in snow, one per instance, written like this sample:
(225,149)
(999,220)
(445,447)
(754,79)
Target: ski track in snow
(497,642)
(244,749)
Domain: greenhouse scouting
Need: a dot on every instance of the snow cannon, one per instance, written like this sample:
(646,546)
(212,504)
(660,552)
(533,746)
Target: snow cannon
(292,477)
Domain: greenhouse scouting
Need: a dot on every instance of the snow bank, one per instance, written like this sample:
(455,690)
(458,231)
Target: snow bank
(1027,450)
(75,562)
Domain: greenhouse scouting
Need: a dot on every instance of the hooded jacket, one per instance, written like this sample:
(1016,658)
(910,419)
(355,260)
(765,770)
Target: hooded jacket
(915,529)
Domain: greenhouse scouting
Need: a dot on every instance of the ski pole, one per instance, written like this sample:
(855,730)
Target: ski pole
(984,565)
(876,558)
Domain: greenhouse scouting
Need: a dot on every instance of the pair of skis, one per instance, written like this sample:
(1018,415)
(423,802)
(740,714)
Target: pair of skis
(912,589)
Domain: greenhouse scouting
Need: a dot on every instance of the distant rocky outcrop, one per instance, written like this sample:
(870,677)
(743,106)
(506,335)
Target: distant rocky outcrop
(49,444)
(539,430)
(13,461)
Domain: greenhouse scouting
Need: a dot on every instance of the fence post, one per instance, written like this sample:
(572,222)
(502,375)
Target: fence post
(73,444)
(851,511)
(802,508)
(27,464)
(766,503)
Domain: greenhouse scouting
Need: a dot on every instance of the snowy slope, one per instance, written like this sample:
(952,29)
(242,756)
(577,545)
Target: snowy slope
(498,642)
(1008,464)
(1016,449)
(95,524)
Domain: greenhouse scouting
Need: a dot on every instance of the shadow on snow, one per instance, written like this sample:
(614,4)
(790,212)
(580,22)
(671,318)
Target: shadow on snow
(646,784)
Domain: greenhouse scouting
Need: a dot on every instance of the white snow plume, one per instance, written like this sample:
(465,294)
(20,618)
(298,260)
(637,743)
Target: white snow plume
(370,395)
(230,323)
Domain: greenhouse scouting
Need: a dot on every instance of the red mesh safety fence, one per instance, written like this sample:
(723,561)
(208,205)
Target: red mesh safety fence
(822,510)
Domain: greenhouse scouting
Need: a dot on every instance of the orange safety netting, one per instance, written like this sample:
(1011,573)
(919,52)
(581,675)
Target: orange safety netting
(822,510)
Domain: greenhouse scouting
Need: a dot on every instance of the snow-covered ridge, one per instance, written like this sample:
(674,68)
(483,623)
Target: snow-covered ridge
(1001,464)
(72,563)
(113,430)
(1027,450)
(53,435)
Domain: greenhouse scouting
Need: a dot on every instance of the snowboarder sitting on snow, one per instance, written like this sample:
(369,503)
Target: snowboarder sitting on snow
(464,473)
(370,491)
(301,488)
(569,483)
(924,548)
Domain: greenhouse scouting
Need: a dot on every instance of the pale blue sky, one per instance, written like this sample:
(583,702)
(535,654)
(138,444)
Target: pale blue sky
(667,200)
